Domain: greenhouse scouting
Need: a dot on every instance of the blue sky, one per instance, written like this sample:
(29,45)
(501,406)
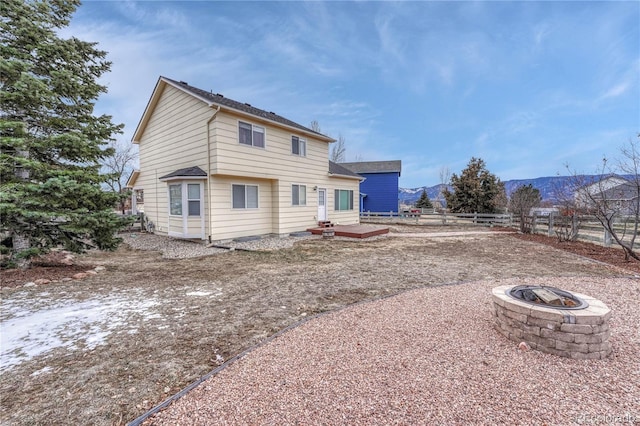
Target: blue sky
(526,86)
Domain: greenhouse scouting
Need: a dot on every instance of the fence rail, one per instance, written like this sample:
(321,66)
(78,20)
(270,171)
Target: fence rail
(588,228)
(430,217)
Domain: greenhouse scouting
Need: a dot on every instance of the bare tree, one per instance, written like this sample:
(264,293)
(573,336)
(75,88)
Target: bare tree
(315,126)
(523,199)
(614,198)
(445,180)
(119,166)
(567,224)
(338,150)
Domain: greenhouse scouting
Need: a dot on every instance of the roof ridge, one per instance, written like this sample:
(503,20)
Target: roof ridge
(220,99)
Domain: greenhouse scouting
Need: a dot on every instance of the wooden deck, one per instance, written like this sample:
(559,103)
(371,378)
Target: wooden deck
(353,231)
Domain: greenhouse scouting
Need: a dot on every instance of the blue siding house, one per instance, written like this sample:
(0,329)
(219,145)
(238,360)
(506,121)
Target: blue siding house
(379,189)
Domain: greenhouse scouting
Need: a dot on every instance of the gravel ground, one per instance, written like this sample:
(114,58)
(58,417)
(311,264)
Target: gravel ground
(427,356)
(175,248)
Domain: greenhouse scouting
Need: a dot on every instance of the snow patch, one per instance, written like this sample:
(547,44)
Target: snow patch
(41,371)
(29,331)
(198,293)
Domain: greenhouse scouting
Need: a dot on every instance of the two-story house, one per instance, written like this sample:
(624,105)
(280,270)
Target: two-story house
(212,168)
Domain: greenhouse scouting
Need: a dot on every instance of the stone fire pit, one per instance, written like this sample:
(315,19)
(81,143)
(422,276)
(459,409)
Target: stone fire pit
(557,322)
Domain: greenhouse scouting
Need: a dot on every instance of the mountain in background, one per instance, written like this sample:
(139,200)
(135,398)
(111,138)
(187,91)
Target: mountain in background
(548,187)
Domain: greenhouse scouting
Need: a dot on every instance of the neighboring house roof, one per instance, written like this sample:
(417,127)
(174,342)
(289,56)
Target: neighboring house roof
(186,172)
(625,192)
(602,184)
(218,100)
(393,166)
(337,169)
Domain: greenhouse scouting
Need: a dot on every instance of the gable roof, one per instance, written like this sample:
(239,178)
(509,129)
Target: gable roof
(186,172)
(602,183)
(337,169)
(218,100)
(393,166)
(623,192)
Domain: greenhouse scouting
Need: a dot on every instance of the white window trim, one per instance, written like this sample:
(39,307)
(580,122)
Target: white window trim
(235,209)
(169,185)
(335,200)
(301,143)
(299,185)
(184,181)
(199,199)
(264,132)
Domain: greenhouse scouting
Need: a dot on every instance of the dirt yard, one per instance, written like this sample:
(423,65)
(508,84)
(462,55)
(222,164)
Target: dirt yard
(149,326)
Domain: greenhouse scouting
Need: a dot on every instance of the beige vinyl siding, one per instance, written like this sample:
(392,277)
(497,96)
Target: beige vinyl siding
(195,225)
(174,138)
(231,223)
(297,218)
(343,217)
(175,224)
(274,161)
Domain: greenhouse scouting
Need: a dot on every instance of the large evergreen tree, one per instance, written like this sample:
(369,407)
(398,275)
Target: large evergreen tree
(476,190)
(51,144)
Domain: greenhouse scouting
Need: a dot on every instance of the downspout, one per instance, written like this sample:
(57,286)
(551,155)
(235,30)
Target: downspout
(209,216)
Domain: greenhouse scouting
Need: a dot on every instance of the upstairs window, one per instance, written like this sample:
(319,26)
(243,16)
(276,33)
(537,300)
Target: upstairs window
(298,146)
(298,195)
(245,196)
(250,134)
(343,199)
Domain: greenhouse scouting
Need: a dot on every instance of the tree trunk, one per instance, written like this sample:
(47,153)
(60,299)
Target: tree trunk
(21,243)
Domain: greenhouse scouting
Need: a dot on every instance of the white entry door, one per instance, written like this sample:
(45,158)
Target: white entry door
(322,204)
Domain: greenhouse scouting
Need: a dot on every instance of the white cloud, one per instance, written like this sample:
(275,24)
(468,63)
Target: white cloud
(617,90)
(483,79)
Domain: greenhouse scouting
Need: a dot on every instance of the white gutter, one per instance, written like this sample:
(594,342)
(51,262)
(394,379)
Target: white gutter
(361,179)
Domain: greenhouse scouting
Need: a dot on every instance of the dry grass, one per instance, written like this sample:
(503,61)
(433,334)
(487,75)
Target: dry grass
(237,300)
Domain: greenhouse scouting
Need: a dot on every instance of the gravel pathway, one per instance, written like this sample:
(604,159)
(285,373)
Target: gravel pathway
(428,356)
(174,248)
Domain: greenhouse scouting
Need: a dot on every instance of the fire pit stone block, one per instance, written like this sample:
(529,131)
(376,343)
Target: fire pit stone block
(577,334)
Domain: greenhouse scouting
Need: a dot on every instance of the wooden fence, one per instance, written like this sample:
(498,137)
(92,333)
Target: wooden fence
(588,228)
(430,217)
